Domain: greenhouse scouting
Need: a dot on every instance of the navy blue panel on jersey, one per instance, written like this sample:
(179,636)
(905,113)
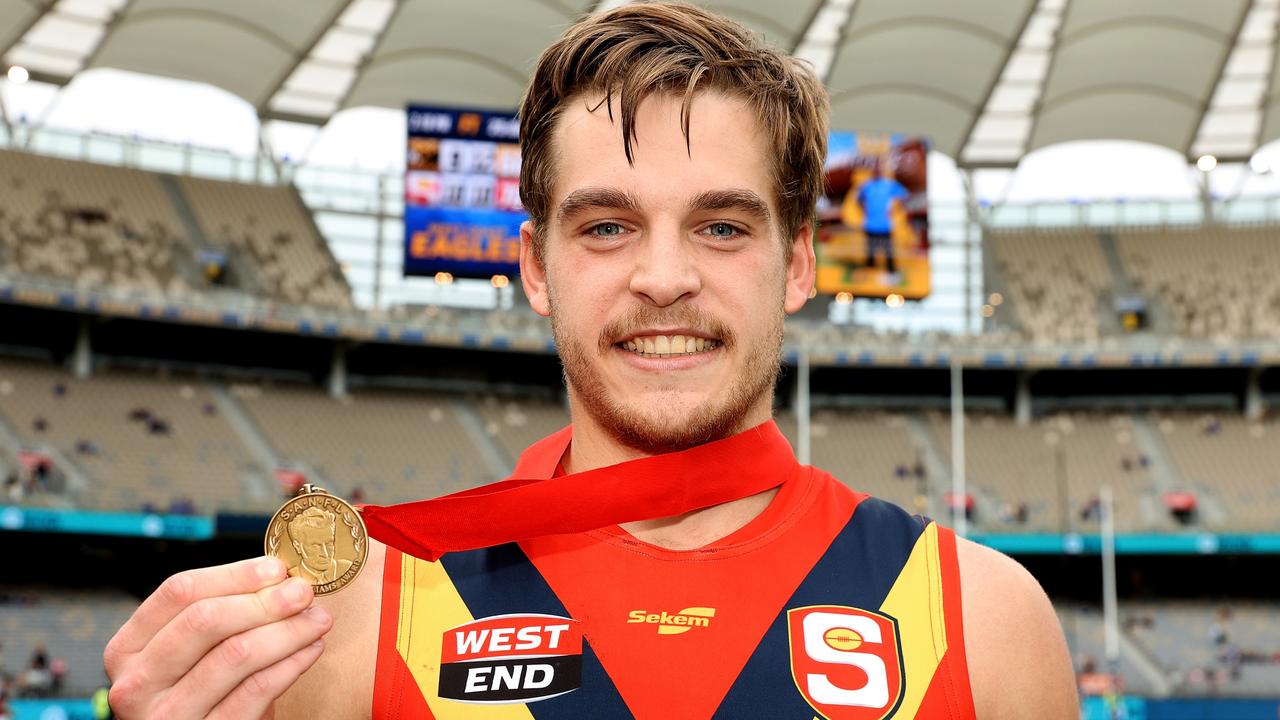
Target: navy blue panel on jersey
(502,581)
(857,570)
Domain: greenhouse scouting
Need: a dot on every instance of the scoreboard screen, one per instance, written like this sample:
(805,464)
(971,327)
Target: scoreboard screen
(873,234)
(462,209)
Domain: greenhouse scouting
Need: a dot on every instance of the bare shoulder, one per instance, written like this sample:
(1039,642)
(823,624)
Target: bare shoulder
(1019,666)
(340,684)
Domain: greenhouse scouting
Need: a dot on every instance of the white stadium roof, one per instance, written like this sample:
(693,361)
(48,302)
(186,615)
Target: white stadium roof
(988,80)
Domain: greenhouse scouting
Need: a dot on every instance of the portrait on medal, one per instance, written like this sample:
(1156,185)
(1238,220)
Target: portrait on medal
(313,534)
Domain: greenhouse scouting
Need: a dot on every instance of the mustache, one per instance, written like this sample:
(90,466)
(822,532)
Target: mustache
(640,318)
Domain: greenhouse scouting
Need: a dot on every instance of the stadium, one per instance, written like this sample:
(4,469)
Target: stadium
(244,247)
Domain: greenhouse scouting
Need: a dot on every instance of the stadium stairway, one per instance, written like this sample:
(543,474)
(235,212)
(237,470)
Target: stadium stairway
(1166,477)
(939,470)
(263,489)
(495,460)
(1146,663)
(993,281)
(77,480)
(935,464)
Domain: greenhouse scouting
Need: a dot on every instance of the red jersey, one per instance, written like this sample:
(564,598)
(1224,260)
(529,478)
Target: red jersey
(830,604)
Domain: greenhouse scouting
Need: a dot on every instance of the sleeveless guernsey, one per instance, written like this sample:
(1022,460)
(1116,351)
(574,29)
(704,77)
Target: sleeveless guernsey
(830,604)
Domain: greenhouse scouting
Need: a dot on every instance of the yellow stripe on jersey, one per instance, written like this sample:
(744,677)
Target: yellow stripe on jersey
(429,605)
(916,601)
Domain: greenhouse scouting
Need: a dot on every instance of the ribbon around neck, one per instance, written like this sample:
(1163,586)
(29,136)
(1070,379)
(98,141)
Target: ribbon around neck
(533,503)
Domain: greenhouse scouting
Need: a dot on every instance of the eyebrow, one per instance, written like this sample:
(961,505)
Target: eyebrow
(738,199)
(597,197)
(744,201)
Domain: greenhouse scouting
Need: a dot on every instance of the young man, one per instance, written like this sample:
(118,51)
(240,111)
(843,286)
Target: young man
(671,166)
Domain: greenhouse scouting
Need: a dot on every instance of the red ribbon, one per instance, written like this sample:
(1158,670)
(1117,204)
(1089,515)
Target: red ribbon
(533,503)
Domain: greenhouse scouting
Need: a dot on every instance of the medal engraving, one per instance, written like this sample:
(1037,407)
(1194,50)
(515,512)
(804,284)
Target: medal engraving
(321,539)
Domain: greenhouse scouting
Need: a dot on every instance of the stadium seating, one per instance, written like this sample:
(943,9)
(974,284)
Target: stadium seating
(517,424)
(73,625)
(1229,649)
(1011,464)
(141,441)
(391,445)
(1232,459)
(1083,629)
(1217,283)
(870,451)
(271,228)
(96,226)
(1054,280)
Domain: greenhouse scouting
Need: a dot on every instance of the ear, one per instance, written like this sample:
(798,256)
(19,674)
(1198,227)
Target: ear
(533,276)
(801,272)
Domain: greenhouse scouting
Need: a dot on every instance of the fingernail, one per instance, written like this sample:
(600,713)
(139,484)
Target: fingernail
(268,568)
(317,644)
(318,615)
(295,591)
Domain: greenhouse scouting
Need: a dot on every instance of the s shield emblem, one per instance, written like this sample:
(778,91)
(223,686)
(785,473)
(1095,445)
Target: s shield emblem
(846,662)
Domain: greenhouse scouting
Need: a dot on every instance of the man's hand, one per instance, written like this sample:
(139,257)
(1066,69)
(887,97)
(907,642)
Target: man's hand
(219,642)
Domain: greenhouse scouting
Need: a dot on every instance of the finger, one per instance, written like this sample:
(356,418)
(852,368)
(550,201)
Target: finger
(181,590)
(206,623)
(223,668)
(252,697)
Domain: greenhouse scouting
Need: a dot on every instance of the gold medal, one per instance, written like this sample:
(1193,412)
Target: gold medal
(321,538)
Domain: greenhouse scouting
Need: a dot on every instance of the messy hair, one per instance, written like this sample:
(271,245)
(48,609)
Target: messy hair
(642,49)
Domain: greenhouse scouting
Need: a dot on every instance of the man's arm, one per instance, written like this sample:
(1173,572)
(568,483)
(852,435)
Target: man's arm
(340,684)
(1019,665)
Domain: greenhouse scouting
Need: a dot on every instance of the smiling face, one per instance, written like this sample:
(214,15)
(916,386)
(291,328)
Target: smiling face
(666,280)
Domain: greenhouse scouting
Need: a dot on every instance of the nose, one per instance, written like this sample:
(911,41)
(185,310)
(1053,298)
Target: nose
(665,267)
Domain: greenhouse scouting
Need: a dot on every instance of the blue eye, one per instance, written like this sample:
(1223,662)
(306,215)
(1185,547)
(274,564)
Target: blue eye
(607,229)
(722,230)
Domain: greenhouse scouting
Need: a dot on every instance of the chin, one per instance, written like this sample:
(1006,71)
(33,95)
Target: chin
(672,422)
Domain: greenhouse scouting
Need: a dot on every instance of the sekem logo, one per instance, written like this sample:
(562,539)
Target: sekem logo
(674,624)
(511,659)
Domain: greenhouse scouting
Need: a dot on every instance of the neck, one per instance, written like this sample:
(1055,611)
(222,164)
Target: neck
(594,447)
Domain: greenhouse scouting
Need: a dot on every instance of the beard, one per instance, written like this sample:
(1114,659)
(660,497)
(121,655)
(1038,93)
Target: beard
(719,416)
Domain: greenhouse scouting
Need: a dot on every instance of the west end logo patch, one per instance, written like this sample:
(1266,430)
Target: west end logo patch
(846,662)
(511,659)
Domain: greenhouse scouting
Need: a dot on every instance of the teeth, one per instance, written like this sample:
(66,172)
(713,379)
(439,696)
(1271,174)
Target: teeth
(669,345)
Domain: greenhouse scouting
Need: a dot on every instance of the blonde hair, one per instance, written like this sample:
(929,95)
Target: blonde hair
(640,49)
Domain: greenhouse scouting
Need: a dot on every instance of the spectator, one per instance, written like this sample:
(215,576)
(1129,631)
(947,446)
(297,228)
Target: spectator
(58,669)
(357,495)
(37,680)
(59,390)
(156,426)
(39,424)
(1091,511)
(13,488)
(1218,634)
